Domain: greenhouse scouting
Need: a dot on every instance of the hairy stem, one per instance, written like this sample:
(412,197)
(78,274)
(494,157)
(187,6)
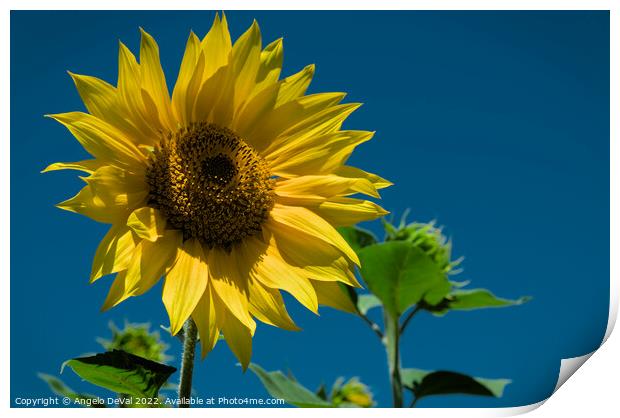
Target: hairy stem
(187,363)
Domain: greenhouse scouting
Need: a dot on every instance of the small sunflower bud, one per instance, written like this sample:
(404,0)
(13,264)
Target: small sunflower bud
(352,393)
(136,339)
(429,239)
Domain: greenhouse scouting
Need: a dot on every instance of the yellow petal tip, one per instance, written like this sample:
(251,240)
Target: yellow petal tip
(105,307)
(174,329)
(65,207)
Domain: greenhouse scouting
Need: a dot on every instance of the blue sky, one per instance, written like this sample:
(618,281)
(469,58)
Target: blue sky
(496,124)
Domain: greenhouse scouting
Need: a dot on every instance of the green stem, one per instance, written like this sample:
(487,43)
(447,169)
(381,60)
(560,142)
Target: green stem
(374,327)
(187,363)
(409,317)
(392,337)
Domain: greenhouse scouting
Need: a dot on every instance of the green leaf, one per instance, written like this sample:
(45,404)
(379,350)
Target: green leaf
(356,237)
(481,298)
(465,300)
(122,372)
(426,383)
(281,387)
(59,388)
(367,302)
(401,275)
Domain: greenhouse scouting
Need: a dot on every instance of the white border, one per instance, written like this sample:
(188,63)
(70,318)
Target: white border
(571,402)
(312,5)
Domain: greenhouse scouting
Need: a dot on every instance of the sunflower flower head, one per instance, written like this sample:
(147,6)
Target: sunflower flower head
(230,188)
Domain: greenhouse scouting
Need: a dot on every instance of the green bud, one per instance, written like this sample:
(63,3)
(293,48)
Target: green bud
(136,339)
(352,393)
(428,238)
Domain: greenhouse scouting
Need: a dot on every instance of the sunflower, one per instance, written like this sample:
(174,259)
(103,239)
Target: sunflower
(231,189)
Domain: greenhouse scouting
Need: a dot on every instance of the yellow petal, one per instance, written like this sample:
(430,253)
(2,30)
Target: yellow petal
(237,335)
(323,195)
(150,261)
(231,289)
(192,54)
(245,61)
(323,262)
(153,80)
(117,292)
(98,96)
(147,223)
(332,294)
(100,139)
(104,101)
(265,93)
(114,252)
(130,95)
(215,100)
(346,211)
(209,94)
(348,171)
(298,220)
(193,89)
(321,154)
(222,102)
(86,203)
(295,85)
(109,196)
(185,283)
(238,81)
(318,188)
(216,46)
(326,121)
(105,208)
(270,65)
(267,305)
(288,115)
(116,180)
(255,110)
(265,265)
(87,166)
(205,318)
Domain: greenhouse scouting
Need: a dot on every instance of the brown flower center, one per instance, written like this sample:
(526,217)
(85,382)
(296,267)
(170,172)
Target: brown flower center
(210,184)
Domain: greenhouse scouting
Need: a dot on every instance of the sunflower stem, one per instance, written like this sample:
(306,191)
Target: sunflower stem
(406,321)
(187,363)
(392,342)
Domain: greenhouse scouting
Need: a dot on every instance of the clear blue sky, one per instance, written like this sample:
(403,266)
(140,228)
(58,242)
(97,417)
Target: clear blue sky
(495,124)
